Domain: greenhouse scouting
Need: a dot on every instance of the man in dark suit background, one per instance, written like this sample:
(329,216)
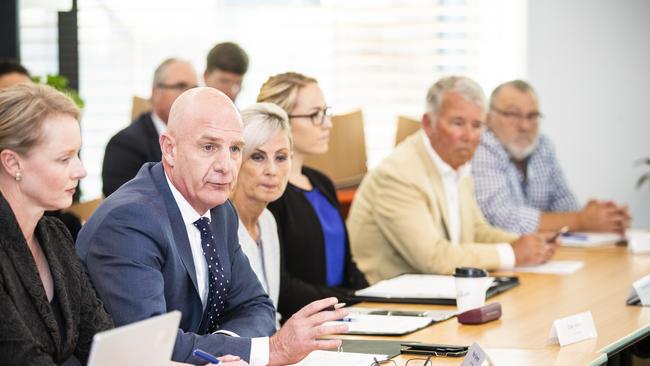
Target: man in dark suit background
(138,143)
(167,240)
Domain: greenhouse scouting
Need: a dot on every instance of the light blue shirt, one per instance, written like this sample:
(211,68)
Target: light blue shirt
(511,200)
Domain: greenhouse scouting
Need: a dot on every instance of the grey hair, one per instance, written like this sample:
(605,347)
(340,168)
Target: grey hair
(519,85)
(159,74)
(261,122)
(465,87)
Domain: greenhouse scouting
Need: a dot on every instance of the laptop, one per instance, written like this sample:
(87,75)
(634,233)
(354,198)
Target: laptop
(147,342)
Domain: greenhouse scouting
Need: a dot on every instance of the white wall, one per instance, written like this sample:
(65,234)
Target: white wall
(590,63)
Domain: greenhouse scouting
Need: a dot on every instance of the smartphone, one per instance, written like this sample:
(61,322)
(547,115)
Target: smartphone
(440,350)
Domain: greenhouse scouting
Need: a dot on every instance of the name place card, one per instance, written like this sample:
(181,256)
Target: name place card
(476,356)
(638,241)
(572,329)
(641,288)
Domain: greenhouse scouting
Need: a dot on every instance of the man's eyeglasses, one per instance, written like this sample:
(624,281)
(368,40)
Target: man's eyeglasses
(317,118)
(410,362)
(178,86)
(516,117)
(227,84)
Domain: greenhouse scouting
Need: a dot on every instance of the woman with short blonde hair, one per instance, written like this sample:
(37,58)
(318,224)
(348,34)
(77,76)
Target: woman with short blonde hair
(264,173)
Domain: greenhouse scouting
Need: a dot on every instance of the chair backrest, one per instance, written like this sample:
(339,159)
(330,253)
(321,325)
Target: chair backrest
(139,106)
(345,160)
(84,210)
(406,126)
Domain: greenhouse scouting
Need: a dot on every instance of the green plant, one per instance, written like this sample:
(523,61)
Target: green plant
(60,83)
(645,177)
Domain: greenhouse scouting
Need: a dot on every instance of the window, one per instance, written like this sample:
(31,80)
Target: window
(379,55)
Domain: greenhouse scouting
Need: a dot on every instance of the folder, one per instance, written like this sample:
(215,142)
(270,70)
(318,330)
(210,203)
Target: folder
(425,289)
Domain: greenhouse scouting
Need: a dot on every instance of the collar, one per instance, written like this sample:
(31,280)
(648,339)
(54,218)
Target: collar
(188,212)
(445,169)
(158,123)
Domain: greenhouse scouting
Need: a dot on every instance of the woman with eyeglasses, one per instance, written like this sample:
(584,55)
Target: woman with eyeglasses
(315,251)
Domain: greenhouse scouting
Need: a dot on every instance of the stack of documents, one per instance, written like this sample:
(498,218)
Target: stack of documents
(362,321)
(319,358)
(580,239)
(382,324)
(414,286)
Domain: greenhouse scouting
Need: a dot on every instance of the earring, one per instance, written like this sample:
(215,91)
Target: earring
(19,176)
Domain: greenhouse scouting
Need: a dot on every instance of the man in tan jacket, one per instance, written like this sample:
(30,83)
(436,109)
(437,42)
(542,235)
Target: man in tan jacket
(416,212)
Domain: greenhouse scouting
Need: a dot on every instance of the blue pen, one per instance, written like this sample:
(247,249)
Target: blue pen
(205,356)
(575,236)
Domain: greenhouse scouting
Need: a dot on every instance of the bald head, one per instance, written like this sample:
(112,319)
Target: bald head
(202,147)
(200,105)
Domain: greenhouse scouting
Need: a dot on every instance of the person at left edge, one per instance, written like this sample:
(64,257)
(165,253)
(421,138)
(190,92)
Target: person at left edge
(167,240)
(49,309)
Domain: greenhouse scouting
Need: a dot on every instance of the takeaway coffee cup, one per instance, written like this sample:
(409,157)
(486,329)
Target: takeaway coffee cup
(471,285)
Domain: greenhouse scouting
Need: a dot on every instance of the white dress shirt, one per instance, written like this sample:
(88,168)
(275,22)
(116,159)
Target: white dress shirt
(259,346)
(450,179)
(265,256)
(158,123)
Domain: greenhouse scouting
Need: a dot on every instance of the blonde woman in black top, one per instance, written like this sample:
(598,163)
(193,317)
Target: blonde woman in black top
(315,256)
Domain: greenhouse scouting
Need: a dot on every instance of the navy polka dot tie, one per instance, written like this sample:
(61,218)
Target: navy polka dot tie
(218,284)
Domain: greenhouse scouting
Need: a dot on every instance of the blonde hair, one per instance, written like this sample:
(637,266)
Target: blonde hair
(23,108)
(261,122)
(282,89)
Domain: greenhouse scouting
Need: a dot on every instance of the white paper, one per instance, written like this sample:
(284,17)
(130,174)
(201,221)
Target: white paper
(476,356)
(434,315)
(587,239)
(320,358)
(413,286)
(573,329)
(382,324)
(638,241)
(642,289)
(553,267)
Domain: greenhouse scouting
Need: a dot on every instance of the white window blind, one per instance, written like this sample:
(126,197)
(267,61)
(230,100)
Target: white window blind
(378,55)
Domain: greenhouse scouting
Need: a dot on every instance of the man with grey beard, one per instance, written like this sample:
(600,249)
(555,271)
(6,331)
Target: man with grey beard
(518,181)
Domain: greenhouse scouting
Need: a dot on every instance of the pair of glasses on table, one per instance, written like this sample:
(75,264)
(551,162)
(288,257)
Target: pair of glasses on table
(410,362)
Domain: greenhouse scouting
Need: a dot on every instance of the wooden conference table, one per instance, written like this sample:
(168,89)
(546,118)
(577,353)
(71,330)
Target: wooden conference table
(520,336)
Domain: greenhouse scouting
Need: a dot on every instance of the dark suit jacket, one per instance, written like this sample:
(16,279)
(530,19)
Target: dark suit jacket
(136,250)
(29,331)
(127,151)
(303,276)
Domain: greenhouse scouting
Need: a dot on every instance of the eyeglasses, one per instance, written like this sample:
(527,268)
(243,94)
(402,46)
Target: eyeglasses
(227,84)
(410,362)
(178,86)
(317,118)
(515,117)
